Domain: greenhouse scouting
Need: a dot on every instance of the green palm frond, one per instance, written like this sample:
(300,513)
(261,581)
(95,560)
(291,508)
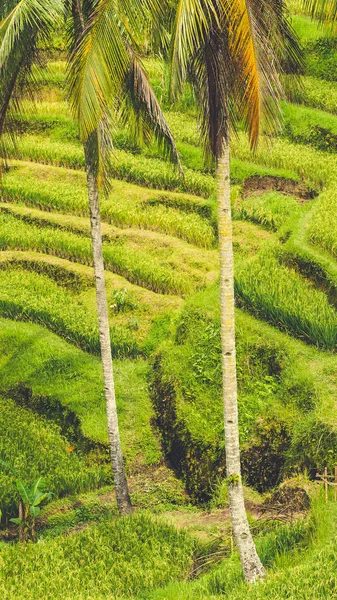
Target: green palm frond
(106,78)
(141,103)
(324,10)
(192,23)
(36,15)
(234,54)
(97,67)
(26,23)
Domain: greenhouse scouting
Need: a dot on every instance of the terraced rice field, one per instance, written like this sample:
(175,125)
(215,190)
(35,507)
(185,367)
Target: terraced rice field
(160,250)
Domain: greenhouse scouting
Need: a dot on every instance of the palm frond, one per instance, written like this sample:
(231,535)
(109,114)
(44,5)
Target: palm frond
(244,47)
(211,73)
(20,31)
(323,10)
(192,24)
(97,67)
(37,15)
(140,100)
(243,36)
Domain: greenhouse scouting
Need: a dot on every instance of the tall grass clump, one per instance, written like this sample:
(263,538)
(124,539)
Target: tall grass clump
(285,155)
(282,297)
(122,559)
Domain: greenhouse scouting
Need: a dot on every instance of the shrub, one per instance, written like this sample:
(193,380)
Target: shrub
(186,386)
(313,446)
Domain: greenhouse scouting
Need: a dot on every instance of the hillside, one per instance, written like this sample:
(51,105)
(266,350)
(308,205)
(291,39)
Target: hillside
(162,271)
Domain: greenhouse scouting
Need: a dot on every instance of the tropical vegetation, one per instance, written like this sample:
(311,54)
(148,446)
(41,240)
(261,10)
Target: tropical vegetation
(161,252)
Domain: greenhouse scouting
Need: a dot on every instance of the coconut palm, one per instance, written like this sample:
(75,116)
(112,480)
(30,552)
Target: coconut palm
(124,93)
(233,52)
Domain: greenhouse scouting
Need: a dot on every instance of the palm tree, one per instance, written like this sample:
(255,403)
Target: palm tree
(126,89)
(233,52)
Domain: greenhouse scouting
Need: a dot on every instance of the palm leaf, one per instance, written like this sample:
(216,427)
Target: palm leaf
(35,511)
(324,10)
(149,119)
(191,25)
(37,15)
(20,31)
(97,68)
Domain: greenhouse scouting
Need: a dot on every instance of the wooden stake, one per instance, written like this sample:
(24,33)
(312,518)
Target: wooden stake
(335,488)
(326,485)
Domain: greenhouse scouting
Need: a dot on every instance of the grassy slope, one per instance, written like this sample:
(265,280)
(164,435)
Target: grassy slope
(155,214)
(50,367)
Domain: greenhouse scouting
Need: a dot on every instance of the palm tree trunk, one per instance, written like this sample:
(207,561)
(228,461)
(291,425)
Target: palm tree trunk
(251,564)
(121,486)
(90,153)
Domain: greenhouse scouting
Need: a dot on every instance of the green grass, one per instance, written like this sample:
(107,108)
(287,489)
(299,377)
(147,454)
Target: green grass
(274,379)
(308,258)
(282,154)
(285,299)
(139,169)
(321,58)
(271,209)
(299,571)
(39,450)
(38,299)
(52,75)
(317,94)
(306,28)
(320,231)
(107,561)
(131,263)
(49,188)
(310,126)
(44,363)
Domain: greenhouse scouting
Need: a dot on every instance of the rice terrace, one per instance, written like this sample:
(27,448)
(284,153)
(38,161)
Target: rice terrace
(168,299)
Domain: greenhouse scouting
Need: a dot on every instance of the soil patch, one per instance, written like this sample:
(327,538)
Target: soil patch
(256,185)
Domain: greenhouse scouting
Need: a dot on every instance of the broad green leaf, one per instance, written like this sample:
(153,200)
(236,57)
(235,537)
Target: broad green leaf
(17,521)
(23,491)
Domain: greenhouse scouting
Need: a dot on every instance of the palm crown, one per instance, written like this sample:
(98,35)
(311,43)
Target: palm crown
(234,51)
(107,82)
